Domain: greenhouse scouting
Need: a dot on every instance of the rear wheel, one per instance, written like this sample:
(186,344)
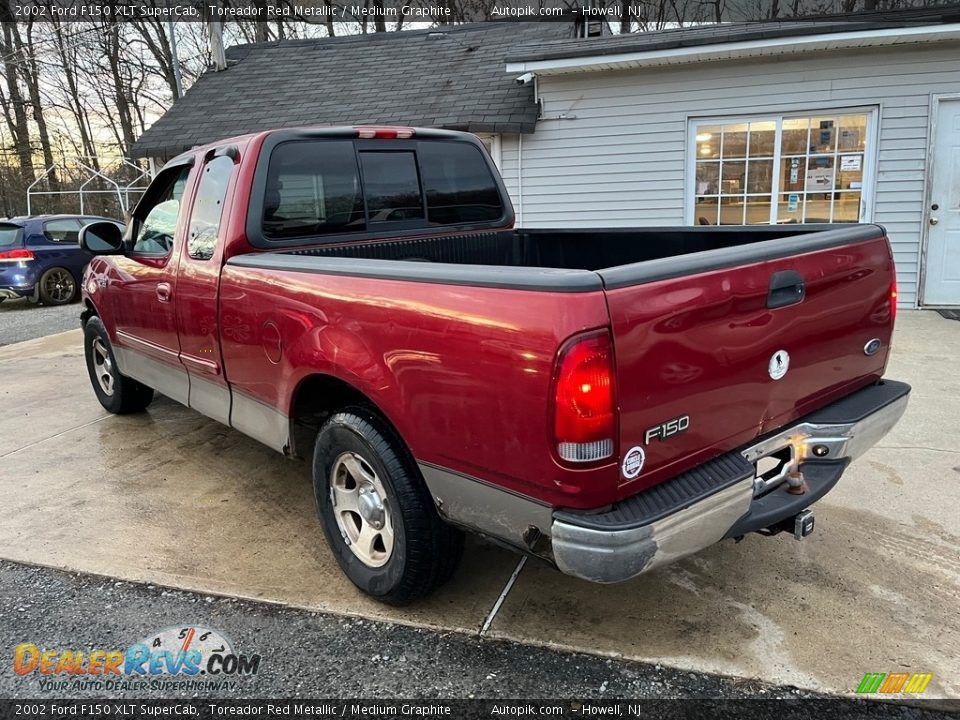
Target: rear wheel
(376,512)
(117,393)
(57,287)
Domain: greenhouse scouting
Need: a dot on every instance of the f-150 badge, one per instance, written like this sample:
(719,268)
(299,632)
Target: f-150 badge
(779,364)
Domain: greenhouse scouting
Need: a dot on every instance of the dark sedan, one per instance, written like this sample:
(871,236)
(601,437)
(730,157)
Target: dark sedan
(40,258)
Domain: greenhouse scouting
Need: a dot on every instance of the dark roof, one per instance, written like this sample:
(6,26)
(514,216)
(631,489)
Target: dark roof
(452,78)
(729,33)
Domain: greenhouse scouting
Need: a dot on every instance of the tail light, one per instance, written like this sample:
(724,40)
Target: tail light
(584,407)
(383,133)
(13,256)
(893,300)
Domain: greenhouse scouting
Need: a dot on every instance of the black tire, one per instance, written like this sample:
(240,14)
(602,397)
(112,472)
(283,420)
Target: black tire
(425,550)
(58,286)
(126,394)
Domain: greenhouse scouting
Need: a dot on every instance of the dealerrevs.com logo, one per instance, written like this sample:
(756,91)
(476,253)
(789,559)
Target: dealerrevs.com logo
(176,658)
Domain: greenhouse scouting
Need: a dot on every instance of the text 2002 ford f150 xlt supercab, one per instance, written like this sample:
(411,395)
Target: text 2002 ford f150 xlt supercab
(608,400)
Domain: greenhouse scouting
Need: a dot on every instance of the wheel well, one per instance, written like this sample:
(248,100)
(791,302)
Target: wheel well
(317,398)
(89,311)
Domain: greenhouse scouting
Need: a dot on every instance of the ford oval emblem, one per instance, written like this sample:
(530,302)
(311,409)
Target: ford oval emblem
(872,347)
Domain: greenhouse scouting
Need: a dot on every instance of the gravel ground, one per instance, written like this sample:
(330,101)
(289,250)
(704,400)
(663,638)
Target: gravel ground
(305,654)
(21,320)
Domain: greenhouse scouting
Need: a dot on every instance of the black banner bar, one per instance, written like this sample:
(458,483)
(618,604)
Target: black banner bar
(468,709)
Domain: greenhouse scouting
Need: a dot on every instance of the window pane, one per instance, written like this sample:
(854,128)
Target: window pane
(733,177)
(793,173)
(731,211)
(65,231)
(708,178)
(850,172)
(823,135)
(763,136)
(155,236)
(819,174)
(458,184)
(758,210)
(818,208)
(708,141)
(392,187)
(760,176)
(853,133)
(313,188)
(790,208)
(846,207)
(794,140)
(208,207)
(706,210)
(735,141)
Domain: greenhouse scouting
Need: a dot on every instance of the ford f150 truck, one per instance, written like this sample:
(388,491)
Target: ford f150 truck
(608,400)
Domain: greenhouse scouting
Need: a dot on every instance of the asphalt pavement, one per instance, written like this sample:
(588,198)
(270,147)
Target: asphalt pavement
(21,320)
(308,654)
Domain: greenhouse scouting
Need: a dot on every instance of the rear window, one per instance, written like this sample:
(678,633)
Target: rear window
(458,184)
(320,187)
(10,235)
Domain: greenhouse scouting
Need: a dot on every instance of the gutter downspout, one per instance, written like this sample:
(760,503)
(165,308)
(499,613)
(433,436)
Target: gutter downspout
(520,180)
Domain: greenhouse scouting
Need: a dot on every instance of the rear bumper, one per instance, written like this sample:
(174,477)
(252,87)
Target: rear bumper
(722,498)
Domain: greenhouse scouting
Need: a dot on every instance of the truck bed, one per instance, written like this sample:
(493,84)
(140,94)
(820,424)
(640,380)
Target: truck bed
(562,259)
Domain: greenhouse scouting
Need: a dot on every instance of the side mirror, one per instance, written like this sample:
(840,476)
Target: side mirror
(102,238)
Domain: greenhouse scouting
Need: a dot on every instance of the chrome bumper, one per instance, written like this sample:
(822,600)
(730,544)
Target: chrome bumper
(608,556)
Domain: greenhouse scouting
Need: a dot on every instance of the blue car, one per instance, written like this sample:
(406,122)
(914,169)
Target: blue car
(40,258)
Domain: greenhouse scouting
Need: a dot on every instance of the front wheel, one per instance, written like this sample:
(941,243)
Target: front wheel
(117,393)
(376,512)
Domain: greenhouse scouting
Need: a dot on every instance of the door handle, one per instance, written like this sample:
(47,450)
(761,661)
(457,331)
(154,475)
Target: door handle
(163,292)
(934,221)
(787,287)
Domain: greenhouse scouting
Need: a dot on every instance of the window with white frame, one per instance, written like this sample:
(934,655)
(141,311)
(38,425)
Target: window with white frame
(492,143)
(810,168)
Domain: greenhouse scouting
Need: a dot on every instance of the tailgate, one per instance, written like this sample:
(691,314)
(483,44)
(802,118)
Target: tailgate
(716,348)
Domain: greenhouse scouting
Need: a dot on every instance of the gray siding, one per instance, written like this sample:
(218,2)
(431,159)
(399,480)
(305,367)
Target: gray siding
(619,157)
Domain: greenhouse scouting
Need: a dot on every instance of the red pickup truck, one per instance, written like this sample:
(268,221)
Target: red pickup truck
(608,400)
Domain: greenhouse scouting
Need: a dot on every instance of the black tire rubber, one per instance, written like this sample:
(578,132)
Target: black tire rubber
(129,395)
(46,298)
(426,550)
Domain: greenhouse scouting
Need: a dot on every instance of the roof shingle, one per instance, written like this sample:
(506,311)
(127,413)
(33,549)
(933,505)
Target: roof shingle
(452,78)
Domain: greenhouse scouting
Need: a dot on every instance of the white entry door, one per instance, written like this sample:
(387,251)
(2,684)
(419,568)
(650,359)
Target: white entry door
(942,285)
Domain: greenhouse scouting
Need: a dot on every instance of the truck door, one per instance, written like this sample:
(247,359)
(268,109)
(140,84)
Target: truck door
(198,289)
(146,342)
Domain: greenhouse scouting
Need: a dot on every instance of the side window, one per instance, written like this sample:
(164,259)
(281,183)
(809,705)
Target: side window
(208,207)
(392,186)
(159,216)
(458,184)
(313,188)
(62,231)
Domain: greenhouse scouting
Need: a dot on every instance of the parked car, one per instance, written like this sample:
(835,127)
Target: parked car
(608,400)
(40,258)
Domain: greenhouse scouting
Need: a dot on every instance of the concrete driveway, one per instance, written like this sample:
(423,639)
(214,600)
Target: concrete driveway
(169,497)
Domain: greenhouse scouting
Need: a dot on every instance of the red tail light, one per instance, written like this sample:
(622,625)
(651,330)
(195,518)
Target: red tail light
(16,256)
(584,408)
(893,299)
(383,133)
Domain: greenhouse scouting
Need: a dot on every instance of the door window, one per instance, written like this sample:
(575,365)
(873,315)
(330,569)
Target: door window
(208,208)
(158,214)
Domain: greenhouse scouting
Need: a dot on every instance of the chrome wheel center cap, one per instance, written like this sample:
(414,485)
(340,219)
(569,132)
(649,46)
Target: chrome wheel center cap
(371,508)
